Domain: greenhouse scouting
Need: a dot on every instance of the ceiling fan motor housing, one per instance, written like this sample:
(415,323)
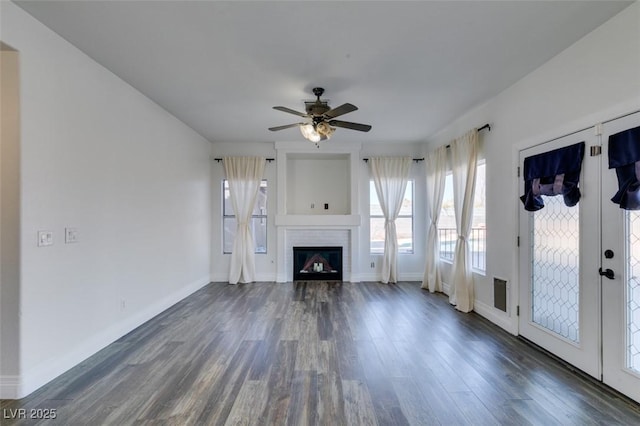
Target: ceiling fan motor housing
(316,108)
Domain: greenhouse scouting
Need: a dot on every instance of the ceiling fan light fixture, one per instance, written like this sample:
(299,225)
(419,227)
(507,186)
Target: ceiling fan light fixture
(310,133)
(325,129)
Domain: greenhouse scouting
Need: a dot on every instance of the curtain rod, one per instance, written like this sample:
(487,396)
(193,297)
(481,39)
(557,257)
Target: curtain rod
(268,160)
(486,126)
(417,160)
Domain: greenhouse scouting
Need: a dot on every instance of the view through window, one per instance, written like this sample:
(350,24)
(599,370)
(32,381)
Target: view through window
(404,222)
(258,219)
(447,222)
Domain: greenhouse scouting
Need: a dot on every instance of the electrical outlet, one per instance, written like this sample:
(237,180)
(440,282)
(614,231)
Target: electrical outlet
(70,235)
(45,238)
(373,264)
(326,206)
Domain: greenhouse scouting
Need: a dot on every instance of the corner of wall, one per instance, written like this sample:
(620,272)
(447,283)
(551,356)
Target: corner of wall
(10,387)
(499,318)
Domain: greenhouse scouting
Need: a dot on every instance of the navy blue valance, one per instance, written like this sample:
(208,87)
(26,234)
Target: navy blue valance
(554,172)
(624,156)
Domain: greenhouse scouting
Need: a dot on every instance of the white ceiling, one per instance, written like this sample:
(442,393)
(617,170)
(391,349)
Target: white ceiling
(411,67)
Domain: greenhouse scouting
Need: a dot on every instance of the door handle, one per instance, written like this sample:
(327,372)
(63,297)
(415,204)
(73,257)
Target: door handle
(607,273)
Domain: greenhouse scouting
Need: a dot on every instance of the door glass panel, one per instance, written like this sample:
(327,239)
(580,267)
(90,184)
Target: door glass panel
(555,237)
(633,290)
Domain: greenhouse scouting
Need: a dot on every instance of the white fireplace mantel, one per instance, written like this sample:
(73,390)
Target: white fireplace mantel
(319,229)
(303,220)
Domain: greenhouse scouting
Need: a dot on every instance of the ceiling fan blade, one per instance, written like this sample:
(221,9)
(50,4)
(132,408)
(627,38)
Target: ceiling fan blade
(290,111)
(342,109)
(349,125)
(287,126)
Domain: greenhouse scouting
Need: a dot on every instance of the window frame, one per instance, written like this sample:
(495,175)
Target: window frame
(400,216)
(262,217)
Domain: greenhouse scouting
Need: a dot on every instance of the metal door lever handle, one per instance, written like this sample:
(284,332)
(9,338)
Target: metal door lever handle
(607,273)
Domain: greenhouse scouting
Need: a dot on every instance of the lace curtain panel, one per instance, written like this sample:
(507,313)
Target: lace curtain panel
(390,176)
(436,172)
(244,175)
(464,157)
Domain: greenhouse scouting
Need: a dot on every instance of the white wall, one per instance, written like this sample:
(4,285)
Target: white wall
(265,263)
(133,180)
(594,80)
(318,180)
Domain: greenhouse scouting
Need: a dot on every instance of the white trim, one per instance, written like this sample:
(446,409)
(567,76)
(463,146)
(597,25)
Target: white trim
(579,124)
(52,368)
(220,277)
(223,277)
(376,276)
(9,387)
(413,276)
(496,316)
(369,277)
(332,221)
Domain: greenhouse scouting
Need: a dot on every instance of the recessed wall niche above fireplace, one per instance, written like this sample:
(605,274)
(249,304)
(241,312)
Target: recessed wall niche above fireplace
(317,263)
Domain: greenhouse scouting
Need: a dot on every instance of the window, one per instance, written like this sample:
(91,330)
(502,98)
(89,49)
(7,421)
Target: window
(447,222)
(258,219)
(404,222)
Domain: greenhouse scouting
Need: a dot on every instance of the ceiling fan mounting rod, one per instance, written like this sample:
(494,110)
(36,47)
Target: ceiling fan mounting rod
(318,91)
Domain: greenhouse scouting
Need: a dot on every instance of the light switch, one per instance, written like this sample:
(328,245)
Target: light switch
(70,235)
(45,238)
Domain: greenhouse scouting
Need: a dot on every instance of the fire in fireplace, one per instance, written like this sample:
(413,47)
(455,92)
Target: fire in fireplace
(317,263)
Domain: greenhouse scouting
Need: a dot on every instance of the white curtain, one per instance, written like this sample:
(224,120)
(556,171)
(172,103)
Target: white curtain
(436,171)
(464,153)
(244,175)
(390,176)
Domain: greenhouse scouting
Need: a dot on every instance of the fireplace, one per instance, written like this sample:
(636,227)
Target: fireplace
(317,263)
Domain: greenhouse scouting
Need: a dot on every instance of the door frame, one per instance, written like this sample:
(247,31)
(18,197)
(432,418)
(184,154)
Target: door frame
(585,353)
(604,116)
(615,372)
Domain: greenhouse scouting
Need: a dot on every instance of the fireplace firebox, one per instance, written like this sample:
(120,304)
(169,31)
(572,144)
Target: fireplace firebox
(317,263)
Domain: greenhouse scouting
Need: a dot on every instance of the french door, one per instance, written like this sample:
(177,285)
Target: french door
(620,254)
(580,270)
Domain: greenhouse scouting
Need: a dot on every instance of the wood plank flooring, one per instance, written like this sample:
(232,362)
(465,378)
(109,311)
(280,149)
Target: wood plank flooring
(321,353)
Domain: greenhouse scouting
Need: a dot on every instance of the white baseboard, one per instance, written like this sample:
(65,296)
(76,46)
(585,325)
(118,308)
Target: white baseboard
(352,278)
(220,277)
(369,276)
(415,276)
(375,276)
(496,316)
(38,376)
(10,387)
(223,277)
(446,288)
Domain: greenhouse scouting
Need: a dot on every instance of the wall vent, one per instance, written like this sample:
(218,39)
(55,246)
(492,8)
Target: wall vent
(500,294)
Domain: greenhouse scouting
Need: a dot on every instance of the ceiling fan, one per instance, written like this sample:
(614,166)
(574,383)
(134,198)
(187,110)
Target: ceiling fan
(321,122)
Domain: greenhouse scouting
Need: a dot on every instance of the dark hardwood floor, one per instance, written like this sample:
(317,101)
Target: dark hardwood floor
(321,353)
